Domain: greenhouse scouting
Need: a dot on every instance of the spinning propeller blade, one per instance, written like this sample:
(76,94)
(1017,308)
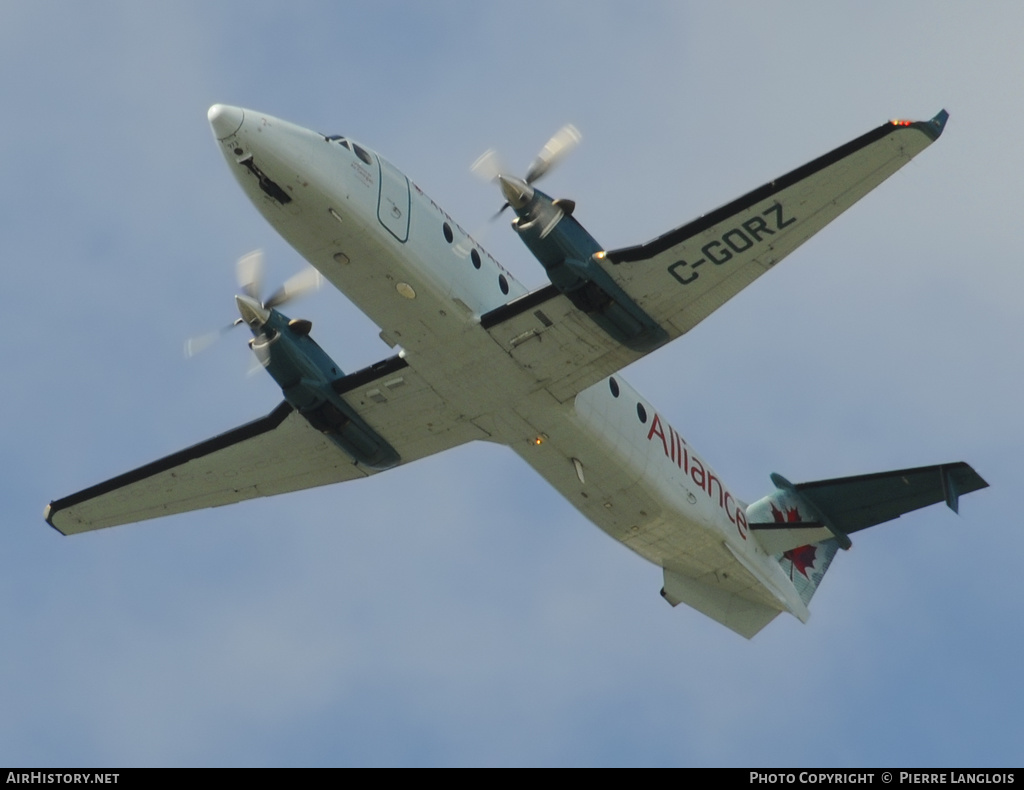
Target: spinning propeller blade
(488,166)
(249,272)
(199,343)
(298,284)
(554,151)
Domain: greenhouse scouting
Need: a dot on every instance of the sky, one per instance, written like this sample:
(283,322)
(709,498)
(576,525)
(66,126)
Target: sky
(457,611)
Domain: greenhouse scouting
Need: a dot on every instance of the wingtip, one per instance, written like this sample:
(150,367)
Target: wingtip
(933,128)
(936,125)
(48,513)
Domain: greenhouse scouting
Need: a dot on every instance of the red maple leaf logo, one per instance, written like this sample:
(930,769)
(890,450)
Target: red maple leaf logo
(801,558)
(792,514)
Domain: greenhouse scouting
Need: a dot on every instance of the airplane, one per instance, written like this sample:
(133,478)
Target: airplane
(479,357)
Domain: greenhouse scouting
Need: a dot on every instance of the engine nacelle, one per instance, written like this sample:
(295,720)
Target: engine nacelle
(571,257)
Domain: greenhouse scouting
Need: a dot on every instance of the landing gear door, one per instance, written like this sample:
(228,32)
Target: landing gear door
(393,205)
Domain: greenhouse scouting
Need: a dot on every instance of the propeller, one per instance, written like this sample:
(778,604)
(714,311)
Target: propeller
(489,165)
(518,191)
(554,151)
(249,271)
(254,312)
(199,343)
(297,285)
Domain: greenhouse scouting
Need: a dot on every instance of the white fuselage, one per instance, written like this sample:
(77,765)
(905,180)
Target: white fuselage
(425,282)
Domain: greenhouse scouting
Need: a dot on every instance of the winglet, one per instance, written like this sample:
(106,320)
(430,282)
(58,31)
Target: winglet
(934,127)
(949,489)
(958,479)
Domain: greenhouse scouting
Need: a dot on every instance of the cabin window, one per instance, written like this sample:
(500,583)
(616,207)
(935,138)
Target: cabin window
(448,235)
(641,412)
(475,257)
(503,284)
(613,385)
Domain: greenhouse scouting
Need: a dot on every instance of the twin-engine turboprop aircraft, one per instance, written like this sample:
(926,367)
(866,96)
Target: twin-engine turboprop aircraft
(483,358)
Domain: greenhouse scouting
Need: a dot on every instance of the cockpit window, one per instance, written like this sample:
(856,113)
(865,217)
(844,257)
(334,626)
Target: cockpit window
(359,150)
(337,138)
(362,154)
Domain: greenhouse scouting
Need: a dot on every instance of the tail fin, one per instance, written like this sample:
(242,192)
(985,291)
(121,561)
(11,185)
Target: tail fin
(806,565)
(797,537)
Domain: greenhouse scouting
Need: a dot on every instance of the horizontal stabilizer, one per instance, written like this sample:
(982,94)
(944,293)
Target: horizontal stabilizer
(804,525)
(849,504)
(777,538)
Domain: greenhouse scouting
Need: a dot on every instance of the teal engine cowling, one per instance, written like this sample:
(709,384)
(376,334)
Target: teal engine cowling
(307,377)
(571,258)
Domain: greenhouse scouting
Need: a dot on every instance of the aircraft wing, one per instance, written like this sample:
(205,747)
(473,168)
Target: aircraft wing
(275,454)
(850,504)
(680,278)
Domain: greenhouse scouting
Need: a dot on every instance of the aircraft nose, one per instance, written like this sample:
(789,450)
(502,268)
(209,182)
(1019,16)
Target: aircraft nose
(225,120)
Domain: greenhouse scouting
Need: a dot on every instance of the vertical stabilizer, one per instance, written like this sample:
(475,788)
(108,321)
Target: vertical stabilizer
(806,565)
(793,531)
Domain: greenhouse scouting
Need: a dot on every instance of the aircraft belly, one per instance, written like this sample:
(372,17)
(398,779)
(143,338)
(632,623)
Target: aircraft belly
(637,509)
(606,479)
(442,339)
(511,385)
(406,289)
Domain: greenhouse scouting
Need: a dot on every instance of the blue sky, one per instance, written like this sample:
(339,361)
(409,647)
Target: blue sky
(457,611)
